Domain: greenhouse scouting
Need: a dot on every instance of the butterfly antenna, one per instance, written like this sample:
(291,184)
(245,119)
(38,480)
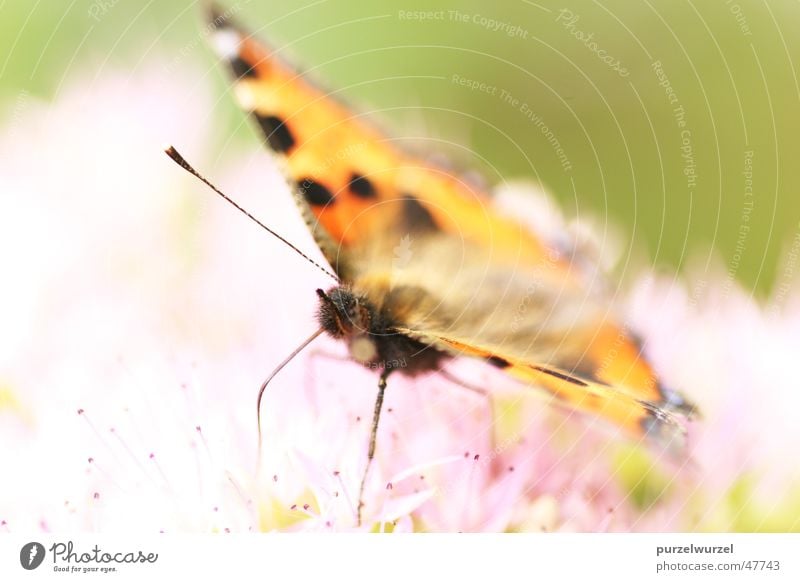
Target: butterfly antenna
(179,159)
(266,382)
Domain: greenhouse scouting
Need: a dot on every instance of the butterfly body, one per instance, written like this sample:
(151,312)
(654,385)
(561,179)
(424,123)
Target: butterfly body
(370,333)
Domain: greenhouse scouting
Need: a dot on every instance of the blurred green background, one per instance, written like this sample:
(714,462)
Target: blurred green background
(731,66)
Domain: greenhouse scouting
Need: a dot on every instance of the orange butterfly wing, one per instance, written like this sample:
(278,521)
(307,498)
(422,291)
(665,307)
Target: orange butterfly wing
(351,179)
(656,413)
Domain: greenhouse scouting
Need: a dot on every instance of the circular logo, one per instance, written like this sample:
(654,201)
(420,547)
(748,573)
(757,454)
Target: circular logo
(31,555)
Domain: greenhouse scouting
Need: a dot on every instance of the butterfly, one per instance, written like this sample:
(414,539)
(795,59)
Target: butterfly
(426,269)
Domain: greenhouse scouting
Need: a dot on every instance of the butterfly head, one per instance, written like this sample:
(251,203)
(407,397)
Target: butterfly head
(345,315)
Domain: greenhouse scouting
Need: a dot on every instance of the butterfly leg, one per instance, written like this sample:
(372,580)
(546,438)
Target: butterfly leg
(479,391)
(372,438)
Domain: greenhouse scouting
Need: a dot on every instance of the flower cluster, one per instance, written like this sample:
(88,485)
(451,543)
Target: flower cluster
(140,316)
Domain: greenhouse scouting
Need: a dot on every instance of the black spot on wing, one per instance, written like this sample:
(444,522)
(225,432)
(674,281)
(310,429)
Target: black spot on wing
(278,134)
(362,187)
(315,193)
(561,376)
(498,362)
(416,217)
(241,68)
